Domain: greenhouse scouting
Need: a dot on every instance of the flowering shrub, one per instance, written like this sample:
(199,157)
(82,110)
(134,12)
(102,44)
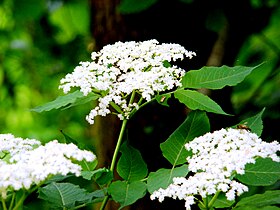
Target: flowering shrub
(208,169)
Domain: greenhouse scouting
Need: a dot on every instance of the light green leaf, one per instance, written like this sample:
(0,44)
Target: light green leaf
(264,172)
(127,193)
(164,177)
(66,101)
(254,123)
(260,200)
(196,100)
(163,99)
(215,77)
(173,149)
(131,166)
(65,194)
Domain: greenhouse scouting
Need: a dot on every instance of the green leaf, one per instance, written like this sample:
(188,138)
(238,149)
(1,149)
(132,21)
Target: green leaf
(132,6)
(163,99)
(250,207)
(164,177)
(264,172)
(131,166)
(173,149)
(222,202)
(63,194)
(254,123)
(66,101)
(215,77)
(260,200)
(196,100)
(102,176)
(127,193)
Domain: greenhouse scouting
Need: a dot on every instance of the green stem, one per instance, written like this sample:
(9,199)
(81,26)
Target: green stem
(12,201)
(113,164)
(211,203)
(4,204)
(20,202)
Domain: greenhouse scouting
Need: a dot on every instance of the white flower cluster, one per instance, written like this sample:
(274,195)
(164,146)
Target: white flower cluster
(24,162)
(216,157)
(119,69)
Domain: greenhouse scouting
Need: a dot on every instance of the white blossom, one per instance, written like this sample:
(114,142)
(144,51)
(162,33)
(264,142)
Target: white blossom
(25,162)
(124,67)
(216,158)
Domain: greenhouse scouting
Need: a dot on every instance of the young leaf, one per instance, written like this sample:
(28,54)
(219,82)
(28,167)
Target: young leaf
(127,193)
(61,195)
(102,176)
(164,177)
(66,101)
(195,100)
(131,166)
(260,200)
(254,123)
(264,172)
(163,99)
(173,149)
(216,77)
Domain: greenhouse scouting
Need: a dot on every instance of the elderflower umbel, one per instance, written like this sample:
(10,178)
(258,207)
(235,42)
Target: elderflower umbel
(215,158)
(25,162)
(121,68)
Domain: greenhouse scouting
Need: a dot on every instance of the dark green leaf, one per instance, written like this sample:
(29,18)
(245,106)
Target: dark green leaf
(127,193)
(215,77)
(66,101)
(173,149)
(195,100)
(102,176)
(131,166)
(164,177)
(260,200)
(263,173)
(132,6)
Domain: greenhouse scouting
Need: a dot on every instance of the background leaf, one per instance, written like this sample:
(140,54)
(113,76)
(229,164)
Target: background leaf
(260,200)
(127,193)
(215,77)
(263,173)
(164,177)
(173,149)
(196,100)
(66,101)
(132,6)
(131,166)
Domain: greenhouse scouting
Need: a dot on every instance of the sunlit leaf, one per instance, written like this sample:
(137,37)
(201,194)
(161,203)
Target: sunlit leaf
(264,172)
(164,177)
(127,193)
(66,101)
(173,148)
(195,100)
(215,77)
(163,99)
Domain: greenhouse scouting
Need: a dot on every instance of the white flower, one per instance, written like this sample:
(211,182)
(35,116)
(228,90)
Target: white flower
(124,67)
(216,157)
(30,163)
